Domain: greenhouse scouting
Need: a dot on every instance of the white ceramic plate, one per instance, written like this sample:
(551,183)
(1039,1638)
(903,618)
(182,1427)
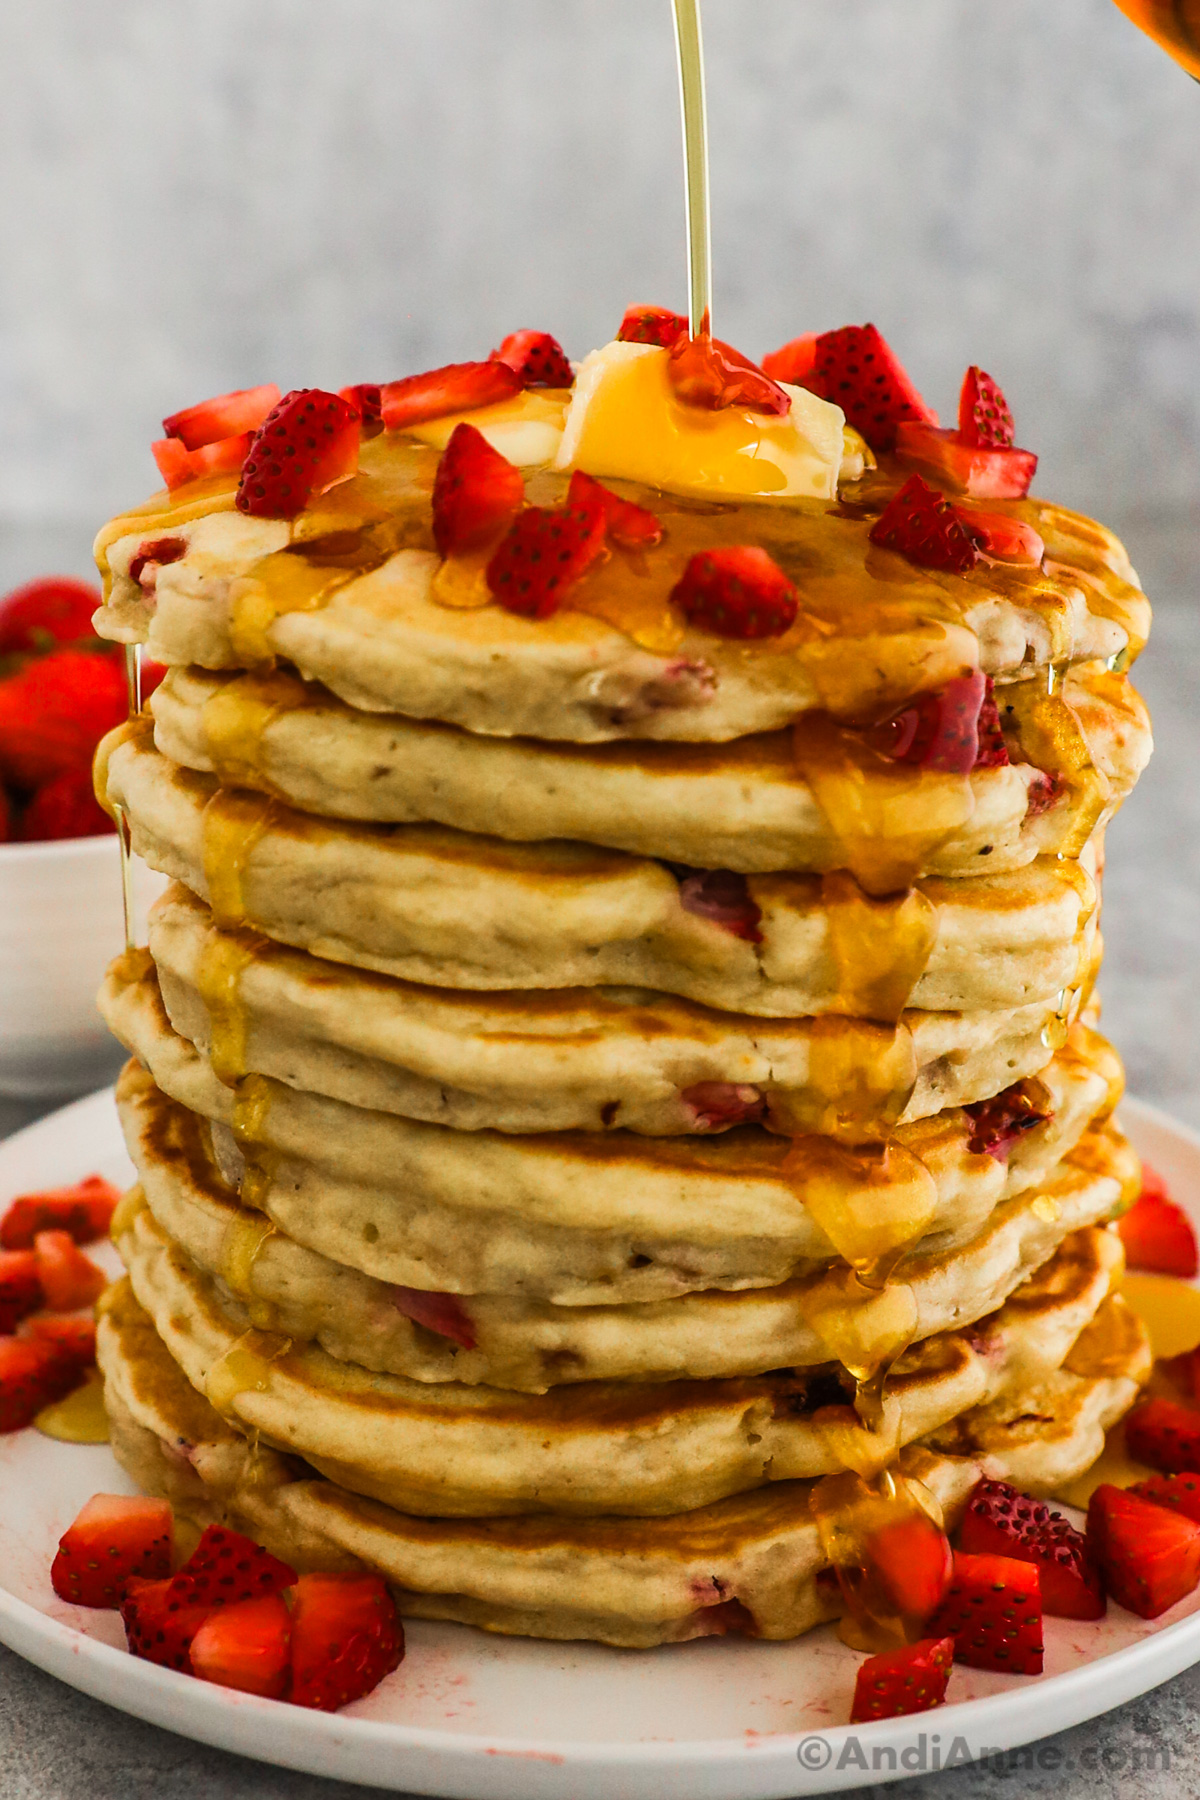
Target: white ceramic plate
(489,1718)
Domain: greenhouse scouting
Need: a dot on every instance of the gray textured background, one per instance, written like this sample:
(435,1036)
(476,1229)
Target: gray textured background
(201,194)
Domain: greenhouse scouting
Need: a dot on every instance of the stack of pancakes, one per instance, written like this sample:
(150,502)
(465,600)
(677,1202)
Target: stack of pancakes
(583,1090)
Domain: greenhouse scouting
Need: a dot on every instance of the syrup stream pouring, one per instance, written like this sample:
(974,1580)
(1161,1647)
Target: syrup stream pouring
(689,46)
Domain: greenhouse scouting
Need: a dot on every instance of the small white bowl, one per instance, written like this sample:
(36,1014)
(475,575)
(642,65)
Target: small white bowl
(61,922)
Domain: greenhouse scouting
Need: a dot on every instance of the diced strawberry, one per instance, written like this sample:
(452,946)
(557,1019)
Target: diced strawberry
(706,373)
(159,1625)
(225,457)
(738,592)
(73,1338)
(1150,1556)
(459,387)
(1158,1235)
(54,609)
(856,369)
(66,807)
(939,729)
(246,1646)
(1165,1435)
(306,445)
(652,325)
(984,474)
(1153,1182)
(1179,1492)
(993,751)
(224,416)
(537,358)
(997,1124)
(346,1636)
(69,1278)
(910,1680)
(1000,1521)
(984,419)
(113,1538)
(793,362)
(226,1567)
(20,1289)
(993,1611)
(364,397)
(912,1561)
(476,493)
(716,1105)
(174,461)
(151,555)
(443,1313)
(631,526)
(32,1375)
(721,897)
(84,1210)
(1003,538)
(1043,792)
(922,526)
(54,712)
(545,552)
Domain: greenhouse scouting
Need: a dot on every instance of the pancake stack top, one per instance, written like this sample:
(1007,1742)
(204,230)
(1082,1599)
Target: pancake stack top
(617,1050)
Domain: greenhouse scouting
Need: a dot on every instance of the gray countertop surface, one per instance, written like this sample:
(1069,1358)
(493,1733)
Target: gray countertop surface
(57,1745)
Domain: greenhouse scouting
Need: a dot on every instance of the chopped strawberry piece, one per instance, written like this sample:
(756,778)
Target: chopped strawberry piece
(69,1278)
(246,1646)
(1184,1371)
(20,1289)
(1043,792)
(1150,1555)
(537,358)
(1165,1435)
(1000,1521)
(54,712)
(151,556)
(545,552)
(443,1313)
(997,1124)
(32,1375)
(984,474)
(939,730)
(993,751)
(856,369)
(910,1680)
(177,465)
(346,1636)
(66,807)
(73,1338)
(922,526)
(113,1538)
(1003,538)
(226,1567)
(716,1105)
(1179,1492)
(721,897)
(224,416)
(738,592)
(793,362)
(54,609)
(1158,1235)
(912,1561)
(706,373)
(984,419)
(459,387)
(305,445)
(993,1611)
(84,1210)
(1153,1182)
(652,325)
(159,1626)
(631,526)
(174,461)
(364,397)
(476,493)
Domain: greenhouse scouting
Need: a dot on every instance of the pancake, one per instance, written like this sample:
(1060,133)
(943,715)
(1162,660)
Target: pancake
(456,909)
(346,593)
(744,806)
(452,1450)
(589,1059)
(750,1563)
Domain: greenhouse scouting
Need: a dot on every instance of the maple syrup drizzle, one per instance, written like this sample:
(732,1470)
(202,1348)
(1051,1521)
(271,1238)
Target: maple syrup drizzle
(243,1244)
(881,945)
(244,1368)
(233,822)
(689,50)
(223,961)
(236,716)
(248,1118)
(860,1078)
(852,1514)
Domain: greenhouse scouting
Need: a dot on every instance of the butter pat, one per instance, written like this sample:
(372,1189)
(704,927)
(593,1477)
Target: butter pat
(625,420)
(526,429)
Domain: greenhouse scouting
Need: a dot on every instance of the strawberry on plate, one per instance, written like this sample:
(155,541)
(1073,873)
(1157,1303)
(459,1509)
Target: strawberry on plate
(1165,1435)
(113,1538)
(73,1337)
(856,369)
(159,1624)
(20,1289)
(537,358)
(54,609)
(738,592)
(652,325)
(33,1374)
(921,525)
(346,1636)
(224,416)
(1150,1555)
(1157,1234)
(458,387)
(1180,1492)
(544,553)
(69,1279)
(84,1210)
(993,1611)
(65,807)
(631,526)
(910,1680)
(912,1561)
(306,445)
(476,493)
(443,1313)
(54,712)
(226,1567)
(246,1646)
(1000,1521)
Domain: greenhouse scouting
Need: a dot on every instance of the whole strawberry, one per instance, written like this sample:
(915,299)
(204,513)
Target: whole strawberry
(66,807)
(54,712)
(55,609)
